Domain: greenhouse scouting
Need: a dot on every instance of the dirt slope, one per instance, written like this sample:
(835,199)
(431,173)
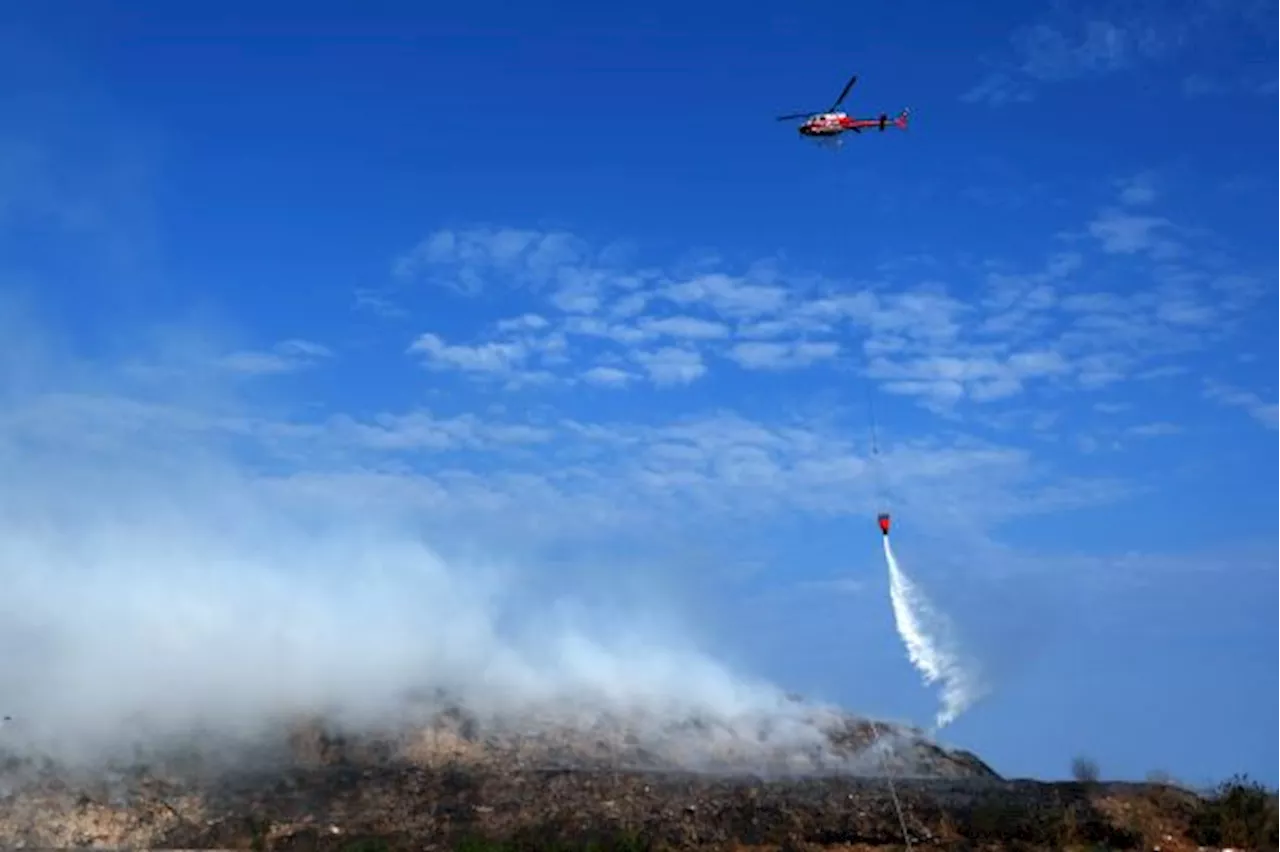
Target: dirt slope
(437,786)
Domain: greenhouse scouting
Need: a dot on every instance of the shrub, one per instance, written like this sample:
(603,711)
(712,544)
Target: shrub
(1084,770)
(1239,812)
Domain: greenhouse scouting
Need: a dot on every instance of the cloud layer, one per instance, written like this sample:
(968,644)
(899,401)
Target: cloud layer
(1126,296)
(1102,39)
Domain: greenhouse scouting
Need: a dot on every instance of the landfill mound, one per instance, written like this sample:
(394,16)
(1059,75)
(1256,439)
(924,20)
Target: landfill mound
(817,742)
(402,806)
(457,779)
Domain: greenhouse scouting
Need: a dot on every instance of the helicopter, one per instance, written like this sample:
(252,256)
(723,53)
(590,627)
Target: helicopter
(832,122)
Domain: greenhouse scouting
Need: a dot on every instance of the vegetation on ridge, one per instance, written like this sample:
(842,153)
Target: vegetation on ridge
(1239,813)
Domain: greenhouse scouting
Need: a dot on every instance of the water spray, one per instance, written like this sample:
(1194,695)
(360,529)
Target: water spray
(925,632)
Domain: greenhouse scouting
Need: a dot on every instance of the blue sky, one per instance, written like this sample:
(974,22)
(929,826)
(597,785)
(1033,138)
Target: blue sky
(555,285)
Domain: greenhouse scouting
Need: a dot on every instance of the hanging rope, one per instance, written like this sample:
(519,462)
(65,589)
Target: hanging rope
(893,790)
(881,500)
(875,463)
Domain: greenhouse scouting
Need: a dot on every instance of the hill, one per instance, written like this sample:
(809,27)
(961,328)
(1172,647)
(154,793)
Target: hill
(458,782)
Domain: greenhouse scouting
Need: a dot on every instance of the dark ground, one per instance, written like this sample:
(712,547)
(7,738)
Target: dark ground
(480,792)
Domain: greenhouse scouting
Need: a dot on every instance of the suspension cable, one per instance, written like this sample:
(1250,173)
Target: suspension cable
(878,486)
(893,790)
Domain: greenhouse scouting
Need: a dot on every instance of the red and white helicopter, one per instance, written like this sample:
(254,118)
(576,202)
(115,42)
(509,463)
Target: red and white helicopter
(830,124)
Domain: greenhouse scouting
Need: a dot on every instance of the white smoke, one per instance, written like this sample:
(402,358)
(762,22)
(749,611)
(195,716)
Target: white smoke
(135,610)
(155,582)
(927,635)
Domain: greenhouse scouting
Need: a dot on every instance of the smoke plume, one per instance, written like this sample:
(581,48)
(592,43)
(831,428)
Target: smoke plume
(160,580)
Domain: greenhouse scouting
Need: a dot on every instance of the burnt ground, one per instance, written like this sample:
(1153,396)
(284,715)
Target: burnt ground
(414,807)
(417,793)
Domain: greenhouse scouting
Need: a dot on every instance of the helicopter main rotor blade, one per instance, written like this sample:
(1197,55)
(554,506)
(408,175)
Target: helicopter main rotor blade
(793,115)
(847,87)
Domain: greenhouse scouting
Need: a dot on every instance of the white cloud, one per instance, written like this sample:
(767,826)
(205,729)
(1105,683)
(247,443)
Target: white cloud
(1071,43)
(617,332)
(1049,53)
(839,586)
(1138,190)
(1205,85)
(944,380)
(1124,233)
(421,430)
(687,327)
(672,365)
(1102,369)
(469,260)
(1186,312)
(525,322)
(729,296)
(1155,430)
(998,89)
(580,297)
(782,356)
(492,357)
(285,357)
(610,377)
(582,472)
(1264,412)
(378,303)
(1057,326)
